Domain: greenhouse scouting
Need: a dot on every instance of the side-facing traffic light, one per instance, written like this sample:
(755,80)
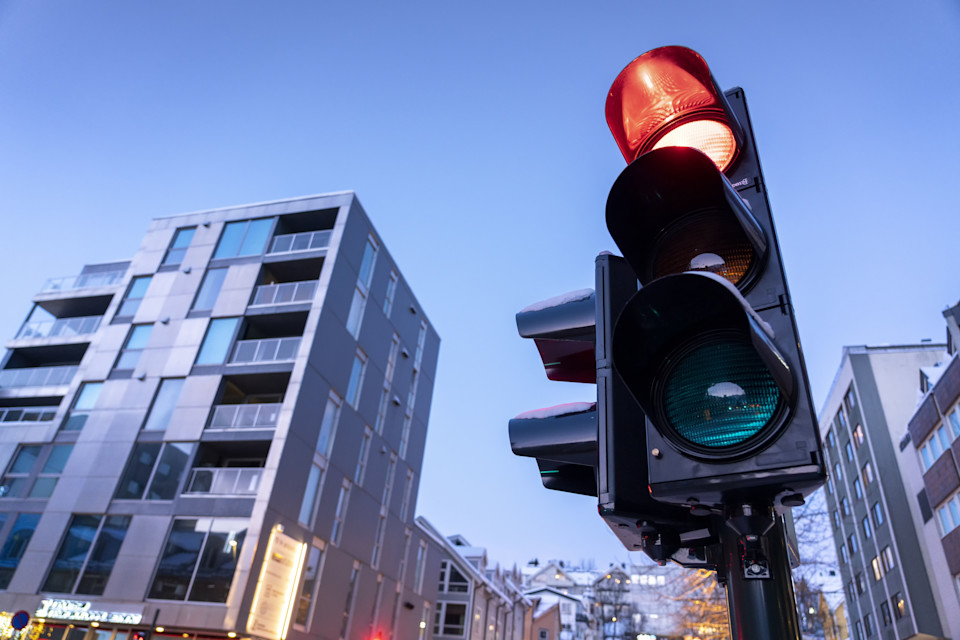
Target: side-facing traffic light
(709,345)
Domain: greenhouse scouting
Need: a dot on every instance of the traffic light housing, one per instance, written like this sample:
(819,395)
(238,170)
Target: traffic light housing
(708,346)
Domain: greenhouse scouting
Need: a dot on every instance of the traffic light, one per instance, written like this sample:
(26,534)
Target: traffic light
(574,442)
(708,346)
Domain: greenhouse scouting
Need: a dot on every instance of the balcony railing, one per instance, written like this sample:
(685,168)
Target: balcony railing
(37,376)
(267,350)
(60,328)
(83,281)
(284,293)
(245,416)
(27,414)
(306,241)
(231,481)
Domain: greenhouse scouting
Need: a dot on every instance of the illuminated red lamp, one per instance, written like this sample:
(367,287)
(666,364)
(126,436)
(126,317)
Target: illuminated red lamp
(668,98)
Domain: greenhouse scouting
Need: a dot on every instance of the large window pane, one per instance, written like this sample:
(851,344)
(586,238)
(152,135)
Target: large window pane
(135,294)
(179,560)
(14,480)
(216,344)
(139,467)
(163,405)
(310,496)
(305,601)
(73,552)
(209,289)
(136,341)
(243,238)
(85,401)
(218,561)
(15,545)
(170,470)
(256,239)
(178,247)
(95,574)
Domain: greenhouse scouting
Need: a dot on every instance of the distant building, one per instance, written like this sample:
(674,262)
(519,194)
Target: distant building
(888,582)
(929,457)
(221,436)
(474,601)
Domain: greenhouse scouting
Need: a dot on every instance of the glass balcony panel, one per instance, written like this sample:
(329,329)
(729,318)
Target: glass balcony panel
(61,328)
(37,376)
(287,349)
(268,415)
(285,292)
(319,239)
(248,480)
(225,481)
(305,291)
(281,244)
(263,295)
(301,242)
(266,350)
(246,351)
(201,481)
(82,281)
(224,416)
(305,241)
(246,415)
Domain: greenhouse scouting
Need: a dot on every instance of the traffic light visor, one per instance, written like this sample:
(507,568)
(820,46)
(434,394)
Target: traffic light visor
(667,97)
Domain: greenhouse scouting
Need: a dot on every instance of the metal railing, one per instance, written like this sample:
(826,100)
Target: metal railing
(284,293)
(266,350)
(306,241)
(83,281)
(27,414)
(60,328)
(225,480)
(245,416)
(37,376)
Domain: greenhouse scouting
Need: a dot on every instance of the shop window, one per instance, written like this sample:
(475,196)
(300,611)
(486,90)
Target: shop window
(15,544)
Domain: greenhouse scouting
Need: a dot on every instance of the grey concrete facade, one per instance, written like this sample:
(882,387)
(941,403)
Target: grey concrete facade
(253,374)
(887,583)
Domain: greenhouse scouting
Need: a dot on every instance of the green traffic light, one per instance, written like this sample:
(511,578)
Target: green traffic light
(720,394)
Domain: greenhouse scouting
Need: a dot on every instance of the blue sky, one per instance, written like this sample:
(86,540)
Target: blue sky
(475,138)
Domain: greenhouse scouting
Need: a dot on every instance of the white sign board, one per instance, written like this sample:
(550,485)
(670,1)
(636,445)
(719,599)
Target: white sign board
(80,610)
(276,588)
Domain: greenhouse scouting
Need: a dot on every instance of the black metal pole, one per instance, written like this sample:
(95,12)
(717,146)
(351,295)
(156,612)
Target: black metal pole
(759,585)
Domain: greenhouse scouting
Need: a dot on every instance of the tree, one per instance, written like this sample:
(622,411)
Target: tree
(700,605)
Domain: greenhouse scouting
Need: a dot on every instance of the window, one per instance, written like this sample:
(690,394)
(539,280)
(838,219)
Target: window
(852,539)
(859,630)
(888,562)
(356,378)
(867,473)
(858,436)
(885,613)
(27,414)
(841,419)
(378,540)
(348,606)
(836,519)
(418,568)
(407,490)
(135,294)
(341,512)
(85,400)
(362,456)
(849,399)
(831,439)
(829,484)
(405,434)
(836,472)
(387,383)
(857,488)
(328,424)
(133,347)
(848,450)
(178,246)
(216,343)
(451,580)
(845,506)
(451,619)
(15,545)
(366,263)
(899,605)
(391,292)
(24,471)
(950,514)
(243,238)
(357,307)
(199,559)
(308,588)
(403,556)
(926,457)
(87,553)
(844,558)
(388,485)
(868,624)
(877,514)
(860,584)
(209,289)
(308,506)
(865,525)
(154,471)
(877,571)
(164,403)
(851,594)
(955,422)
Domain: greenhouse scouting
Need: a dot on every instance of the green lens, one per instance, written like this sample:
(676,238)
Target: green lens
(720,394)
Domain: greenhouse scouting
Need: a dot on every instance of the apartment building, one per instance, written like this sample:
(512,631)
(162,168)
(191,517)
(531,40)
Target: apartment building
(221,437)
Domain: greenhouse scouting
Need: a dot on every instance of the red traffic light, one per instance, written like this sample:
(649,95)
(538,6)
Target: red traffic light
(668,98)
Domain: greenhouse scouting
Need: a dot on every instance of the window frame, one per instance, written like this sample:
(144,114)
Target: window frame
(174,246)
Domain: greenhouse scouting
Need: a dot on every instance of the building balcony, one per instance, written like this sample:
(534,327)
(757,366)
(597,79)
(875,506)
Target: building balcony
(245,416)
(11,415)
(266,350)
(306,241)
(225,481)
(284,293)
(60,328)
(37,376)
(83,281)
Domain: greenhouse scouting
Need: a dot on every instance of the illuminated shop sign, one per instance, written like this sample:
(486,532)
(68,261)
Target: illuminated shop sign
(80,610)
(274,595)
